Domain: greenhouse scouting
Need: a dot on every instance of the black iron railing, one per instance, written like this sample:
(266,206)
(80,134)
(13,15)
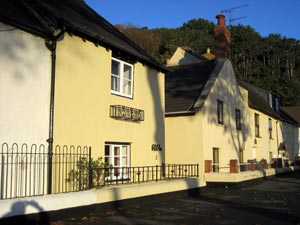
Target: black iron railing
(129,175)
(24,171)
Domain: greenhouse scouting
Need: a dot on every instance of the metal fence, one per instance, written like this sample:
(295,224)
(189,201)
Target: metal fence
(70,163)
(129,175)
(29,170)
(24,169)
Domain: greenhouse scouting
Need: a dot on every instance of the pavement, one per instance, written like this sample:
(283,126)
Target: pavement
(273,201)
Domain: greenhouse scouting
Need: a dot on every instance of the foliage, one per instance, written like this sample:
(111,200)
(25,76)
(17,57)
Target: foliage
(271,62)
(87,174)
(142,37)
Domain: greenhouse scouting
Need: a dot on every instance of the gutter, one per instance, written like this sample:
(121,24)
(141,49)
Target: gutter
(180,113)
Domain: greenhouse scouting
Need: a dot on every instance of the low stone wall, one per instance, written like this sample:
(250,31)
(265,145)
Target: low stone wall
(56,202)
(247,175)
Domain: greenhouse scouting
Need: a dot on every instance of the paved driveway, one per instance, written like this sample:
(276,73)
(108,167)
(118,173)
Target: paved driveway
(275,201)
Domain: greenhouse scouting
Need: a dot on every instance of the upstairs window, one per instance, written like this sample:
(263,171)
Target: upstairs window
(270,128)
(220,112)
(238,119)
(274,102)
(121,78)
(256,122)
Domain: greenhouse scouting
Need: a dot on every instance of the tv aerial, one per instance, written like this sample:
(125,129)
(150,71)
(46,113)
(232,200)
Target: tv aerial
(230,12)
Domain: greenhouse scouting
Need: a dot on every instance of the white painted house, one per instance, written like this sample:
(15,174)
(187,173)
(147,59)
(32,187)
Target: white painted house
(24,87)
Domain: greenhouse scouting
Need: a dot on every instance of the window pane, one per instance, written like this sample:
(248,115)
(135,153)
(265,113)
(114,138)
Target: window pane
(256,119)
(115,67)
(124,150)
(107,152)
(124,161)
(238,119)
(117,161)
(108,160)
(115,83)
(220,111)
(127,72)
(127,87)
(116,151)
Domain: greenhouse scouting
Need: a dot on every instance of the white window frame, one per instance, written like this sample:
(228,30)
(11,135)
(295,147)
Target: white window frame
(122,79)
(271,100)
(115,160)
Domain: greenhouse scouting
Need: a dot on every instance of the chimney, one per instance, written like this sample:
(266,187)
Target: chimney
(222,38)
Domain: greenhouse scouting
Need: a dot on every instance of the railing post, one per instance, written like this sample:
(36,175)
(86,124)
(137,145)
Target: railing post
(156,173)
(208,166)
(163,167)
(251,164)
(50,155)
(263,164)
(90,182)
(234,167)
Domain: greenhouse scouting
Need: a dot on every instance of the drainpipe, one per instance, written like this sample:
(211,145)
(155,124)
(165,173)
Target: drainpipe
(277,141)
(51,45)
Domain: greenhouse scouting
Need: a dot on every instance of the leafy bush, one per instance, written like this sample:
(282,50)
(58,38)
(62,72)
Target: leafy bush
(87,174)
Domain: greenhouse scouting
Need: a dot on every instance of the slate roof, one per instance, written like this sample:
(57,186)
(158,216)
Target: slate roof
(293,112)
(257,101)
(184,85)
(43,17)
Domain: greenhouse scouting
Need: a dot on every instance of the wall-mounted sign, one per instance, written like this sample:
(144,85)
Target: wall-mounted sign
(156,147)
(121,112)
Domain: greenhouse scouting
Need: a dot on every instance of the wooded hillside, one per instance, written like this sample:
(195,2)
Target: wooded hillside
(272,62)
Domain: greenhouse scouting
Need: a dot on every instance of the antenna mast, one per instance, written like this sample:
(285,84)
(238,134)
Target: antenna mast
(231,10)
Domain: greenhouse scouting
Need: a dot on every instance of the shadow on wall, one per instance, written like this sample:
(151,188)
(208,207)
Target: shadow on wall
(158,103)
(17,214)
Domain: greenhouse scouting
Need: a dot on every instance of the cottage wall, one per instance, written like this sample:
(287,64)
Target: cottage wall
(224,138)
(25,64)
(184,140)
(83,99)
(262,146)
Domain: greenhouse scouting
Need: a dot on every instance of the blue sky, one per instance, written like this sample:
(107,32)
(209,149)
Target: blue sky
(265,16)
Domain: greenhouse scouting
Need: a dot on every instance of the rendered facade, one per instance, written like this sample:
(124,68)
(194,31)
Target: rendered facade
(70,78)
(24,87)
(222,119)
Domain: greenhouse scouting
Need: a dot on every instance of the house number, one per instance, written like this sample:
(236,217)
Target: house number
(156,147)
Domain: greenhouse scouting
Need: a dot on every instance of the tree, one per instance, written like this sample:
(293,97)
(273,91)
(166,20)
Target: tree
(271,62)
(142,37)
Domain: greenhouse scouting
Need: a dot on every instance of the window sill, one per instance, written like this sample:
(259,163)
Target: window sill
(121,95)
(221,125)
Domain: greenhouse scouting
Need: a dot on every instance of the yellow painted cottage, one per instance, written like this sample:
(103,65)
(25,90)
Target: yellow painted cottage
(223,124)
(204,114)
(84,92)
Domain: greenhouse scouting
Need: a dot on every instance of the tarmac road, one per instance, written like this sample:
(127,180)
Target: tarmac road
(275,201)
